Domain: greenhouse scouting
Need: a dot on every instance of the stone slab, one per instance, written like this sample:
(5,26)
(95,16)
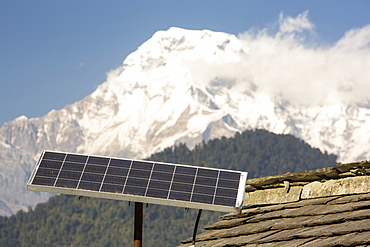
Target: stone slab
(272,196)
(349,166)
(303,176)
(344,186)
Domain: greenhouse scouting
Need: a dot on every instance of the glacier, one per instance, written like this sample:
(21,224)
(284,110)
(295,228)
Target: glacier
(180,86)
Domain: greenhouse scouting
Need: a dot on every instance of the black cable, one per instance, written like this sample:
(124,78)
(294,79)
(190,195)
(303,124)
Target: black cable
(196,226)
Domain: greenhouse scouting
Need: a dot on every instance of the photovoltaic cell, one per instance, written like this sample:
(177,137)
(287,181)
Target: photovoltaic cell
(141,165)
(117,171)
(202,198)
(205,190)
(76,158)
(73,166)
(181,196)
(95,169)
(140,173)
(52,164)
(43,181)
(45,172)
(207,173)
(163,168)
(157,193)
(208,181)
(158,184)
(69,174)
(67,183)
(181,178)
(161,176)
(89,186)
(182,187)
(133,190)
(225,183)
(54,156)
(120,180)
(144,181)
(98,160)
(120,163)
(114,188)
(92,177)
(186,170)
(137,182)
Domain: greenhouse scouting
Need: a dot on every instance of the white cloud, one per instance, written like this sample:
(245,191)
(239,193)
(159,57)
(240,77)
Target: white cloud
(284,64)
(289,24)
(304,74)
(355,39)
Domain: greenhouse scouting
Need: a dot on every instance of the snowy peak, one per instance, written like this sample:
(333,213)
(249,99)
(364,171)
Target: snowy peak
(177,50)
(177,41)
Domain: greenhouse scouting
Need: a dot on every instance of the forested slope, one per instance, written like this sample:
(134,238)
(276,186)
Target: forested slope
(67,221)
(258,152)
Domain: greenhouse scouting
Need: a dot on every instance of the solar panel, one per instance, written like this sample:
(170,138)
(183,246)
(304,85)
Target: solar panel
(140,181)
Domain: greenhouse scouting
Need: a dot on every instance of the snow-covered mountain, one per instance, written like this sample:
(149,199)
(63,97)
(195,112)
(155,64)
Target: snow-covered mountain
(179,86)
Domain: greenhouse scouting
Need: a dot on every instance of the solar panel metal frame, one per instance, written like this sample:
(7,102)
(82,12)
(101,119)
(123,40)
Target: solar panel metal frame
(144,199)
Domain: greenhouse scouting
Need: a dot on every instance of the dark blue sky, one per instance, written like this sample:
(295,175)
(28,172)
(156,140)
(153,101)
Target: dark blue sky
(54,53)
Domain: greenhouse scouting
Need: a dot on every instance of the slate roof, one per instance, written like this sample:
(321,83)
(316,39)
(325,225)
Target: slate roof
(330,210)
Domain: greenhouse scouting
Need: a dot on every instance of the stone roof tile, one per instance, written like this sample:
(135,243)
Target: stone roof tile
(353,239)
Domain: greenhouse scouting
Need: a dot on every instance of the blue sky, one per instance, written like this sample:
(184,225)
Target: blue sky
(54,53)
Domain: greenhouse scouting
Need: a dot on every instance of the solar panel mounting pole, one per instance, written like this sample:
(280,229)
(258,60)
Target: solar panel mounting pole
(138,224)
